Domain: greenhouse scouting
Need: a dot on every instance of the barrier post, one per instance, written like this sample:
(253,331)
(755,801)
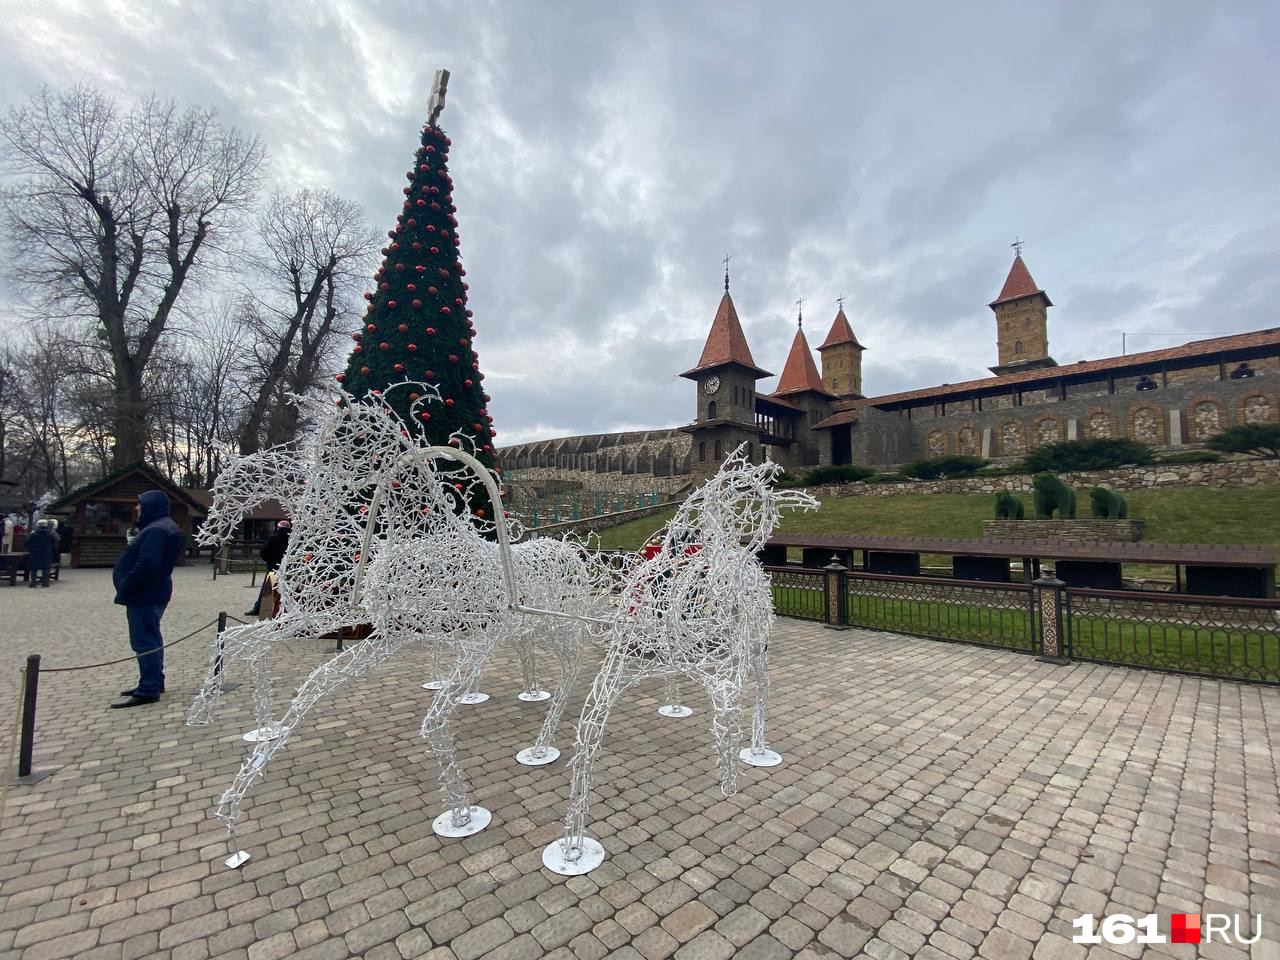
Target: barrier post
(218,664)
(28,735)
(1051,623)
(835,595)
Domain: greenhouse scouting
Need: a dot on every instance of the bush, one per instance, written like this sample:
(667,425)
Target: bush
(941,468)
(1190,456)
(787,481)
(1260,439)
(888,478)
(846,473)
(1096,453)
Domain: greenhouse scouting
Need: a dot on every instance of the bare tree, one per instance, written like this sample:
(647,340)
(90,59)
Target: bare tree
(317,249)
(114,213)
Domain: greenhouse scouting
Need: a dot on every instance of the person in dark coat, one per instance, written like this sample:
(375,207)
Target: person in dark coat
(143,579)
(272,553)
(64,538)
(40,550)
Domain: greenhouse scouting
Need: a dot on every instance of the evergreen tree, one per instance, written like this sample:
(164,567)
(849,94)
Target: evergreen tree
(417,327)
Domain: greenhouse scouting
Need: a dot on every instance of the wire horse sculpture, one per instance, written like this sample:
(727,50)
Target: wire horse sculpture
(701,608)
(319,481)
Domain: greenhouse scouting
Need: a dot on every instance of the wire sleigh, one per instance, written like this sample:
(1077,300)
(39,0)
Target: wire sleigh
(431,561)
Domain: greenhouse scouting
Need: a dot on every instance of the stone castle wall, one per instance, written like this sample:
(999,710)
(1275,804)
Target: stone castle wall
(1233,473)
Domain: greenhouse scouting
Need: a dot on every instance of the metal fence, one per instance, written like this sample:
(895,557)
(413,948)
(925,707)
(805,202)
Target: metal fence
(1209,636)
(1225,637)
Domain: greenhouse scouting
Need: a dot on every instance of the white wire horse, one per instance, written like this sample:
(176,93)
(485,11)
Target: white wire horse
(320,481)
(430,574)
(701,608)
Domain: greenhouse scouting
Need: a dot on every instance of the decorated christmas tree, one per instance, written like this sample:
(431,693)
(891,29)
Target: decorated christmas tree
(417,327)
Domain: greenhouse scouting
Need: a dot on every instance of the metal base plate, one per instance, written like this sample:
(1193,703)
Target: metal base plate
(433,685)
(237,859)
(765,758)
(270,732)
(675,710)
(473,698)
(592,856)
(443,824)
(534,697)
(526,757)
(35,776)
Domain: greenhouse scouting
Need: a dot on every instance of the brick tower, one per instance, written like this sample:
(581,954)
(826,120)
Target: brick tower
(726,376)
(1022,323)
(842,360)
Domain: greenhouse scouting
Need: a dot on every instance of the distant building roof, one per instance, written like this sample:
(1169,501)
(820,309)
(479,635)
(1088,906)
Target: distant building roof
(1196,348)
(726,343)
(267,510)
(97,487)
(836,420)
(840,332)
(800,374)
(1019,284)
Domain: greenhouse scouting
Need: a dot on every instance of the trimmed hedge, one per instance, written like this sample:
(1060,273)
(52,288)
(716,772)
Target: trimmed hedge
(943,468)
(1260,439)
(1096,453)
(846,473)
(1190,456)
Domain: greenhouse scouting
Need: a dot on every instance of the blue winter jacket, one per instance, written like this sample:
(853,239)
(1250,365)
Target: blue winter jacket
(143,574)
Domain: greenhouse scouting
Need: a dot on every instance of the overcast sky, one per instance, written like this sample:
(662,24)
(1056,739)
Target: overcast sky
(608,155)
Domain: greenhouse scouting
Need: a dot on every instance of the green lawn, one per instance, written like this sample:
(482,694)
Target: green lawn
(1183,515)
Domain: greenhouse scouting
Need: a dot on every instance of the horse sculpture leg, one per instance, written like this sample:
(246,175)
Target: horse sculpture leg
(726,727)
(575,853)
(673,707)
(461,819)
(236,644)
(352,663)
(759,754)
(570,657)
(528,651)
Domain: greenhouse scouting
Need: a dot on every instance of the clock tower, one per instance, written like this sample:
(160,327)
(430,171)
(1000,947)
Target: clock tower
(726,376)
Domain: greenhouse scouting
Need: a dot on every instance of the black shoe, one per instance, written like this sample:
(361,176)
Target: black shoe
(133,701)
(129,693)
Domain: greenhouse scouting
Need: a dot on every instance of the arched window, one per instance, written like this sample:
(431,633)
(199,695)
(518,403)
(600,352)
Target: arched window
(1017,347)
(711,410)
(1026,321)
(702,453)
(719,452)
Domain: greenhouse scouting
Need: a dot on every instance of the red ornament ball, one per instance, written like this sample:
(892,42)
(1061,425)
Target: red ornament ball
(412,347)
(358,349)
(411,287)
(340,377)
(449,402)
(457,301)
(453,358)
(364,370)
(403,328)
(399,368)
(431,331)
(423,167)
(420,268)
(479,511)
(467,383)
(434,205)
(432,290)
(413,396)
(417,303)
(368,295)
(394,246)
(411,222)
(384,286)
(434,250)
(391,304)
(422,203)
(417,245)
(445,310)
(384,345)
(425,416)
(431,228)
(462,340)
(430,374)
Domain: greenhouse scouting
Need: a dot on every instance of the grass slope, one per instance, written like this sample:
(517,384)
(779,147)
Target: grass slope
(1181,515)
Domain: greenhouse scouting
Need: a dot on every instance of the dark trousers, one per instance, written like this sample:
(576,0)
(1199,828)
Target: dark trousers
(44,575)
(144,636)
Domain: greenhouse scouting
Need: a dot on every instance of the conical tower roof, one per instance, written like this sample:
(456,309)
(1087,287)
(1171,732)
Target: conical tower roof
(726,343)
(800,373)
(840,333)
(1018,285)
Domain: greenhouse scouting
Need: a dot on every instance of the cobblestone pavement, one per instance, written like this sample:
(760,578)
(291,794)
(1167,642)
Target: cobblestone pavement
(936,801)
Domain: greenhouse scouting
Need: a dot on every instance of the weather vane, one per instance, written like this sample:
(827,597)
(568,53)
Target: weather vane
(438,89)
(727,258)
(800,313)
(1017,246)
(840,300)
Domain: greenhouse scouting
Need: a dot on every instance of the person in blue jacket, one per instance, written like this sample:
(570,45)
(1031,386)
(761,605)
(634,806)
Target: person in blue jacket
(143,579)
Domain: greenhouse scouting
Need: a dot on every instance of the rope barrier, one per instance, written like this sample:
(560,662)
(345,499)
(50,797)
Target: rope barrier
(129,659)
